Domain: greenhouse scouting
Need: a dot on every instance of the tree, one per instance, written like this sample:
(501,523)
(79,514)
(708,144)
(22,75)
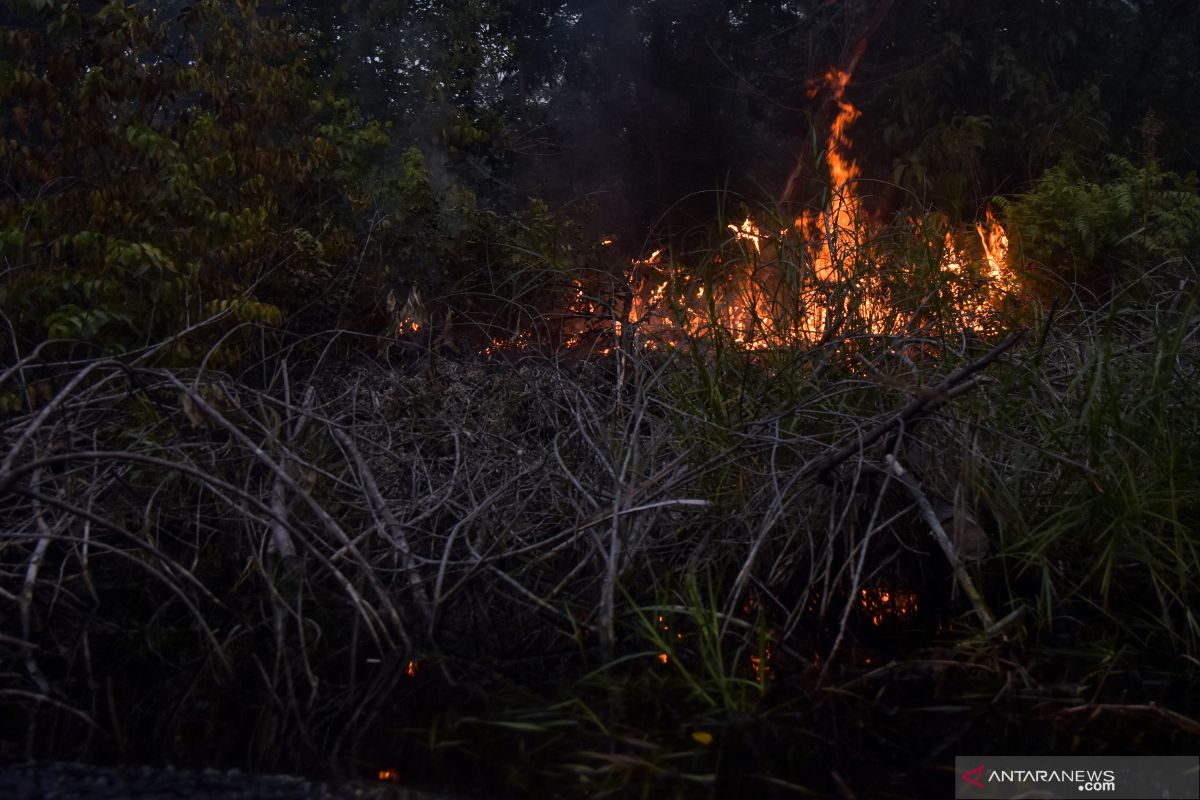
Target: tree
(165,167)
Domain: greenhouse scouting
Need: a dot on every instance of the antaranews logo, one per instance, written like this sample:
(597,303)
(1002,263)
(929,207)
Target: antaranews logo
(1085,780)
(1115,777)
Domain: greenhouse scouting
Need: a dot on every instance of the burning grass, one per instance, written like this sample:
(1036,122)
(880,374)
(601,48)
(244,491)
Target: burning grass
(776,281)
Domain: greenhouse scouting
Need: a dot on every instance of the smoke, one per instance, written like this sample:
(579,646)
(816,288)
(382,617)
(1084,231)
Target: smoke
(652,126)
(652,116)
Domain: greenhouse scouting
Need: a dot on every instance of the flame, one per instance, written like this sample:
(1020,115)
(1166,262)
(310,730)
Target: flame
(817,277)
(410,669)
(994,239)
(748,232)
(843,212)
(985,291)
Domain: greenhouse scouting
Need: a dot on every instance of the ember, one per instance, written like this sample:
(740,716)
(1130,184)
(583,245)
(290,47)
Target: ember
(883,605)
(762,664)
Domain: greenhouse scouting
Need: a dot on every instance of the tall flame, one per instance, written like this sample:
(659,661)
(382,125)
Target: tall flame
(795,288)
(835,230)
(843,170)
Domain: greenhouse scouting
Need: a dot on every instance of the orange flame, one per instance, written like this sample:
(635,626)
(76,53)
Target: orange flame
(748,232)
(843,171)
(758,305)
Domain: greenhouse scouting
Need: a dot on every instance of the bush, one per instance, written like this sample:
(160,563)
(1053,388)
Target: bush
(1089,229)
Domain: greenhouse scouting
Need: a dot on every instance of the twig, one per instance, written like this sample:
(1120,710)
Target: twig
(31,576)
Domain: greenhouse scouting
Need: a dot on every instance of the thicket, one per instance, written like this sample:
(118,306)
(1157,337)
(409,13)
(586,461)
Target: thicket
(1099,229)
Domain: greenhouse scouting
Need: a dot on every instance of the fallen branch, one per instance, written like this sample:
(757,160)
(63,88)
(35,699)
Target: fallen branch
(939,534)
(925,401)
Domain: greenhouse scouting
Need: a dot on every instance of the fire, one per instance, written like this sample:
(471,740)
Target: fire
(821,275)
(843,213)
(995,246)
(836,230)
(762,665)
(748,232)
(995,282)
(758,306)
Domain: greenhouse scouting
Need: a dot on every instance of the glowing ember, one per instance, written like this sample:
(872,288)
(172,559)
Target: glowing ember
(411,669)
(389,775)
(663,658)
(884,605)
(762,666)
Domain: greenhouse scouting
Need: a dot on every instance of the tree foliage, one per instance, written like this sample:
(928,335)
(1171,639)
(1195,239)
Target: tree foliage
(161,167)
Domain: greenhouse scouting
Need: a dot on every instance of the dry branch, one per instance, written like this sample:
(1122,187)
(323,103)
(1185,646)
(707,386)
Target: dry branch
(925,401)
(939,534)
